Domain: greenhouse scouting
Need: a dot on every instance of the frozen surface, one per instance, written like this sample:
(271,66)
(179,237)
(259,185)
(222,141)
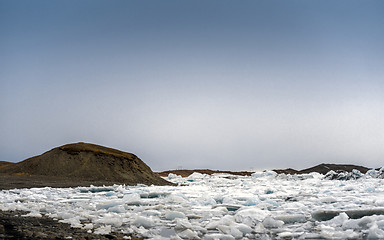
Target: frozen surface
(222,206)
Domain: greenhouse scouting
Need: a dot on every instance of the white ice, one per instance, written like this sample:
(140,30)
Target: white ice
(220,206)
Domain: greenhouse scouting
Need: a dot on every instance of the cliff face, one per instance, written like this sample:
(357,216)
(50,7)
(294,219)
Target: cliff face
(90,162)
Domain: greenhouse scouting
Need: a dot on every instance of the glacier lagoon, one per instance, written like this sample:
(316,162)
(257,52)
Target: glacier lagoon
(219,206)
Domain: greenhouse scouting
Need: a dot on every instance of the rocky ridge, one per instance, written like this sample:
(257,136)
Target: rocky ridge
(321,168)
(324,168)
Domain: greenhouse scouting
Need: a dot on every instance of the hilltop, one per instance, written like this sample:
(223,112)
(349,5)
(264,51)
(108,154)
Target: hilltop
(4,163)
(80,164)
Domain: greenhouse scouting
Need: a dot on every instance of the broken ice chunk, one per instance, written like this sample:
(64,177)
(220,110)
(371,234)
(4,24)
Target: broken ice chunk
(143,221)
(188,234)
(171,215)
(324,215)
(270,222)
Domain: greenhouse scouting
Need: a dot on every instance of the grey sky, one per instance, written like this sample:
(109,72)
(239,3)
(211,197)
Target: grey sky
(198,84)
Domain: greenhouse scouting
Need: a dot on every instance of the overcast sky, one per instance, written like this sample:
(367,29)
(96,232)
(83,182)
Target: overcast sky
(227,85)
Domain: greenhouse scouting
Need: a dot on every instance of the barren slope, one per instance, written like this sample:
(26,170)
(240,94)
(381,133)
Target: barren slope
(86,162)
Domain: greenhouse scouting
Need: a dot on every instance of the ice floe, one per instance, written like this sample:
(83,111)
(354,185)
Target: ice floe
(219,206)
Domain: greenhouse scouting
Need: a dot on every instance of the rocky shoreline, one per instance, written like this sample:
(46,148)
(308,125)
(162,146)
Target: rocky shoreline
(14,226)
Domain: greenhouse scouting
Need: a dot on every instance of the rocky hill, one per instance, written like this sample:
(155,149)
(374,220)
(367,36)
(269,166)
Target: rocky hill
(84,162)
(4,163)
(324,168)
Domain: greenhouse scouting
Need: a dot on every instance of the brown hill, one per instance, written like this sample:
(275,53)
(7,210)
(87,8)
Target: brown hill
(4,163)
(84,162)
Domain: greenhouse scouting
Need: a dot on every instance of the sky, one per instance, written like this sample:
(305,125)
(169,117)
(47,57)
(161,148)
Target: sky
(229,85)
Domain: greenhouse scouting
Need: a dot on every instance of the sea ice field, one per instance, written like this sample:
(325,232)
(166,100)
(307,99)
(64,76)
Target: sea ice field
(220,206)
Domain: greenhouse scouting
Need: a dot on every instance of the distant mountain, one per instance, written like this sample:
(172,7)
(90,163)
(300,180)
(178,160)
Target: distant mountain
(321,168)
(87,162)
(324,168)
(186,173)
